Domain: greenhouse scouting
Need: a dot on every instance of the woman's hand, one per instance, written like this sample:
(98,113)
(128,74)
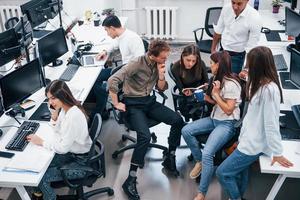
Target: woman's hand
(282,161)
(187,92)
(35,139)
(216,88)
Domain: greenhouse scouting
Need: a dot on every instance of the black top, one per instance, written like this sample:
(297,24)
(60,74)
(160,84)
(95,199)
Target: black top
(189,77)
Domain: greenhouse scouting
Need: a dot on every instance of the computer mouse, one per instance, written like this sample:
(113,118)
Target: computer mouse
(46,116)
(282,124)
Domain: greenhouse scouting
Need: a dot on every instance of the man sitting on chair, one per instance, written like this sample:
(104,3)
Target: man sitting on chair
(139,77)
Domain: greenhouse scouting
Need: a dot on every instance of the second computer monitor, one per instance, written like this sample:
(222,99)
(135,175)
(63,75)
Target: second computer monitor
(21,83)
(295,67)
(52,46)
(9,46)
(292,20)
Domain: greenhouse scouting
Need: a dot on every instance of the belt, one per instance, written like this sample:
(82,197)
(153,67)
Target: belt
(233,53)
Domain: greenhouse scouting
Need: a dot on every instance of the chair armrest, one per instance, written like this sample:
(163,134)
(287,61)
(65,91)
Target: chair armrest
(162,94)
(195,34)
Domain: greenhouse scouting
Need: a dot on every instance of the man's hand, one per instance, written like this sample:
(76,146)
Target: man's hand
(243,74)
(102,55)
(161,71)
(120,106)
(282,161)
(35,139)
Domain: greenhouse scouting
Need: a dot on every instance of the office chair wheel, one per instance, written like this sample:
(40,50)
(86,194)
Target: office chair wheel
(110,192)
(154,138)
(190,157)
(114,155)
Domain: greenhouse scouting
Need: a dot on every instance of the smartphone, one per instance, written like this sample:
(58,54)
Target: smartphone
(5,154)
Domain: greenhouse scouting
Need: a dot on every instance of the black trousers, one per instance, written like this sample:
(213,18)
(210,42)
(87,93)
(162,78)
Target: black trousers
(138,111)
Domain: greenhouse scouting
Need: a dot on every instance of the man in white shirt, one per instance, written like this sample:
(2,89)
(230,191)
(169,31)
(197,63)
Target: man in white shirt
(238,29)
(130,45)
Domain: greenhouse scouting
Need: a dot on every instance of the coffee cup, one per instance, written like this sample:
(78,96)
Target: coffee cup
(199,94)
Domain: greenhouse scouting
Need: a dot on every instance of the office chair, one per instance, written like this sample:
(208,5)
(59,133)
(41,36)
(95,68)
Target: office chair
(211,18)
(192,108)
(93,166)
(121,119)
(11,22)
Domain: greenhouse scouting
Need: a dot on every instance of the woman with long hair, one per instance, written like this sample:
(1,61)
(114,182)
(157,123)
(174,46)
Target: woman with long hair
(260,130)
(226,97)
(71,134)
(189,72)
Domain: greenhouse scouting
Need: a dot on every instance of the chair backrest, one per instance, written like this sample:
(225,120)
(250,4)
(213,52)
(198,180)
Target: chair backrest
(211,18)
(11,22)
(146,44)
(94,132)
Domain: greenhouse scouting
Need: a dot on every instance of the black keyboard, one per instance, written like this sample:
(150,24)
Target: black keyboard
(69,72)
(89,60)
(273,36)
(296,112)
(280,62)
(19,142)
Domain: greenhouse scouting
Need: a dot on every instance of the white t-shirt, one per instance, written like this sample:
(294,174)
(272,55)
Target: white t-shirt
(231,90)
(260,129)
(241,33)
(130,45)
(71,133)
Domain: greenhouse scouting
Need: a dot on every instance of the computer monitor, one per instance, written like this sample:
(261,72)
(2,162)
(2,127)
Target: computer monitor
(52,46)
(292,20)
(39,11)
(21,83)
(10,47)
(24,30)
(295,68)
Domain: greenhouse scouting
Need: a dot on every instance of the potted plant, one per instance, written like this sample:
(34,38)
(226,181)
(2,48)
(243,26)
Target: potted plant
(276,5)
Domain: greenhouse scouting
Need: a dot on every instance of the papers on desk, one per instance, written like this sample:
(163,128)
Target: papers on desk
(28,162)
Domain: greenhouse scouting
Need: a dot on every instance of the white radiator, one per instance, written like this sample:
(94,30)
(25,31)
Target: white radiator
(161,22)
(7,12)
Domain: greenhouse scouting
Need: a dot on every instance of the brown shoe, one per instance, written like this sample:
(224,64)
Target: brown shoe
(196,170)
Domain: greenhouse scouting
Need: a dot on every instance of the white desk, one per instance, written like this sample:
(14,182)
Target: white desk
(289,148)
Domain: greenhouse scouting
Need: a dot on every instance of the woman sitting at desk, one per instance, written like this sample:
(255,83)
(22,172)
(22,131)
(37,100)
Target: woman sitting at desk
(189,72)
(71,134)
(260,130)
(226,97)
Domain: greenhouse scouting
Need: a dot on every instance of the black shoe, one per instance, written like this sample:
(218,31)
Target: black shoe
(169,162)
(105,114)
(129,187)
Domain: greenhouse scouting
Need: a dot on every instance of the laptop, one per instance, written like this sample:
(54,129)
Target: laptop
(91,61)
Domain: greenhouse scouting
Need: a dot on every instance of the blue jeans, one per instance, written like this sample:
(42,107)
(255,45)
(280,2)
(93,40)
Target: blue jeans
(237,62)
(219,132)
(53,174)
(233,173)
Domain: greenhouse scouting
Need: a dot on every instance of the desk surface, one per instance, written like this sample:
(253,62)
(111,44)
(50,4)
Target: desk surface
(289,151)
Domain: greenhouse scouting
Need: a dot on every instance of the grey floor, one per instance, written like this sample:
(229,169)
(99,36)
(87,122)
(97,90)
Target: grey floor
(154,184)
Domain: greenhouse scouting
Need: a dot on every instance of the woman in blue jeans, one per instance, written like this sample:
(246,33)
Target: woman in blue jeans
(71,135)
(226,97)
(260,130)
